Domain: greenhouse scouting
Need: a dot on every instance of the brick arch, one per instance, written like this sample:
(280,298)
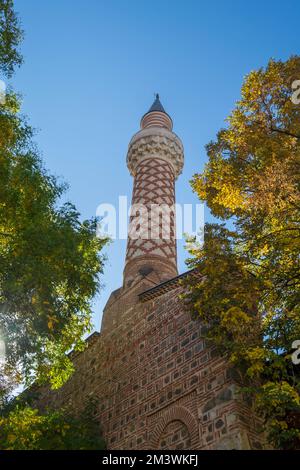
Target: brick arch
(178,413)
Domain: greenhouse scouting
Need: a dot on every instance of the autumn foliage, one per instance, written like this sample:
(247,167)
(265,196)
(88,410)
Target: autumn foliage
(249,292)
(50,258)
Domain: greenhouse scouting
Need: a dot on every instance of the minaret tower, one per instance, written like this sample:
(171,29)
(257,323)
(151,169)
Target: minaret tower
(154,159)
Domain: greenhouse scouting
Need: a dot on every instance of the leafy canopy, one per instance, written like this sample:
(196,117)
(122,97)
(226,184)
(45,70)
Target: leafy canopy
(50,259)
(11,35)
(25,428)
(249,293)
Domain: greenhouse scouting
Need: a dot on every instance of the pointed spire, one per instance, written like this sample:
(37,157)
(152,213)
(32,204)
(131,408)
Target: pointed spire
(157,106)
(156,116)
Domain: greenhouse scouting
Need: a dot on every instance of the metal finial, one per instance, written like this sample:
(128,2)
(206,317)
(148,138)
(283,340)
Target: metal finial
(157,106)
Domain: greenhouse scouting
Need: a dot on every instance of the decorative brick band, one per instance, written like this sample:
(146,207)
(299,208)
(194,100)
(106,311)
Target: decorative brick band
(155,142)
(156,119)
(177,413)
(166,286)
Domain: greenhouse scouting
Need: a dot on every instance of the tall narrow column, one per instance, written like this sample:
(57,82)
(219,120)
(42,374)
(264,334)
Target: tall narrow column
(154,159)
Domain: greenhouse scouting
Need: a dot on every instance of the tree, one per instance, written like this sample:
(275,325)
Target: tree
(50,260)
(249,293)
(26,428)
(11,35)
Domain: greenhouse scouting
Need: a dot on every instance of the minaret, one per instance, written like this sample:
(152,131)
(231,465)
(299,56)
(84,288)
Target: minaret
(154,159)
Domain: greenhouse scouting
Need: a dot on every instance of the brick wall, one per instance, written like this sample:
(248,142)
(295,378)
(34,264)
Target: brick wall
(158,384)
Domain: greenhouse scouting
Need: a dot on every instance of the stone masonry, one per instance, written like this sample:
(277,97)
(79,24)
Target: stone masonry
(159,385)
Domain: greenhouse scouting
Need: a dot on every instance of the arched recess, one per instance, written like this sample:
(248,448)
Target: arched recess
(177,413)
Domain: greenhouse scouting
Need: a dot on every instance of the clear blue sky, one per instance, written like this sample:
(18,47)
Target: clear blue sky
(91,69)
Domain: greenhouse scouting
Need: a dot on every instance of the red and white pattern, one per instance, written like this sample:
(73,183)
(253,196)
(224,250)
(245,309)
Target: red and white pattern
(152,221)
(154,159)
(156,119)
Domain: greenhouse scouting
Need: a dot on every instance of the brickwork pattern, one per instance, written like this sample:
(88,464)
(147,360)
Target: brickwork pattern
(159,384)
(155,159)
(152,231)
(175,436)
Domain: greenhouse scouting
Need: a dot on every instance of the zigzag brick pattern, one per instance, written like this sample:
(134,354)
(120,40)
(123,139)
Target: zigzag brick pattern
(152,221)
